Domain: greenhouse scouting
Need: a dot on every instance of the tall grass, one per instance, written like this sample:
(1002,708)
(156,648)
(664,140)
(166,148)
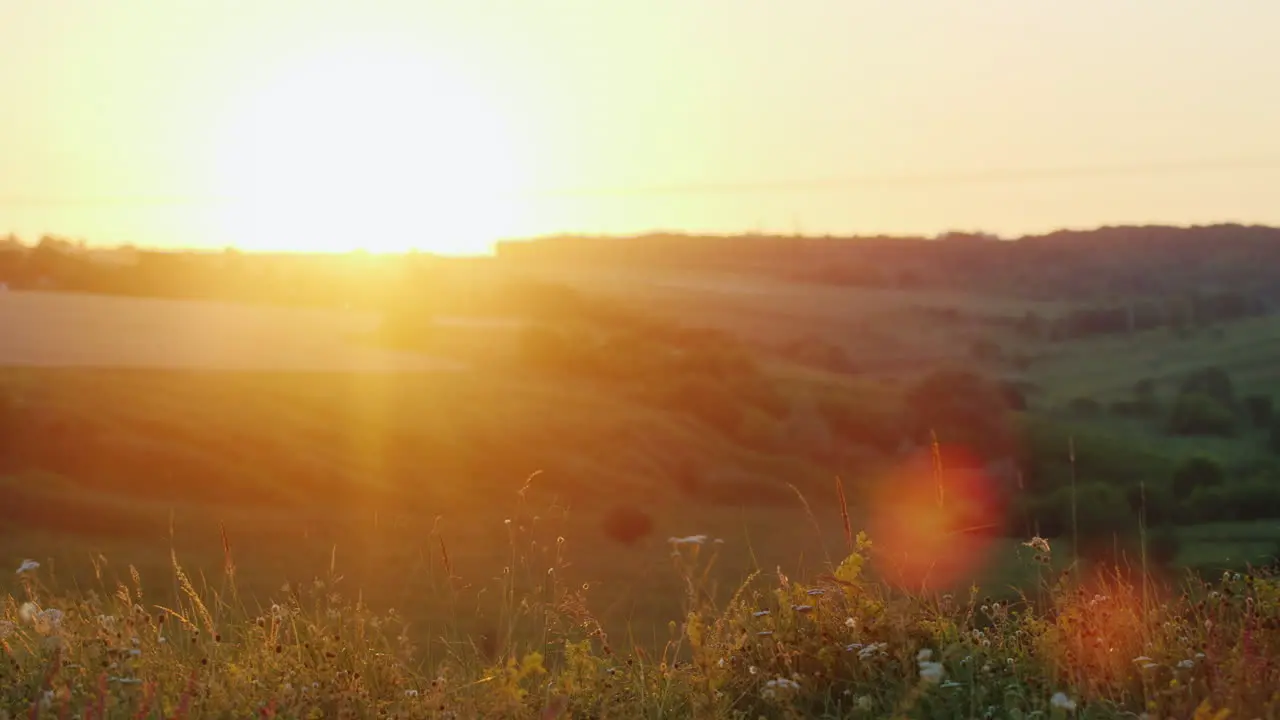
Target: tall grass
(839,644)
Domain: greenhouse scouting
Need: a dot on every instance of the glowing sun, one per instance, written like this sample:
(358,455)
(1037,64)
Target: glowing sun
(366,150)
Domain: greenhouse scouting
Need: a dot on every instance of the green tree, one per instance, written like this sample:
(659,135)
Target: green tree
(1213,382)
(1261,410)
(1197,471)
(1199,414)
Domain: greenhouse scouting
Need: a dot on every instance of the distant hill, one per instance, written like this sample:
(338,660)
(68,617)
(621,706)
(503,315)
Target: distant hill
(1067,264)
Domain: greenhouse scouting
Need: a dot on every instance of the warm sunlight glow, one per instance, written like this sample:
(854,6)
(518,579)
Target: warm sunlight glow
(933,530)
(366,150)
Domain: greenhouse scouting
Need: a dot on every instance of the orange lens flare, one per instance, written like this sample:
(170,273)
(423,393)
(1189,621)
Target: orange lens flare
(934,528)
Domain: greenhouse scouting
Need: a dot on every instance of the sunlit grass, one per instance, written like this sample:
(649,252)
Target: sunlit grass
(834,642)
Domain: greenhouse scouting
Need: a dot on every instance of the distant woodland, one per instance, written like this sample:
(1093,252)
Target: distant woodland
(1117,279)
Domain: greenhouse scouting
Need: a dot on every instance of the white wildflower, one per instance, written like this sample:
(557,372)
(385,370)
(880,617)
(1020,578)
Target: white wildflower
(816,592)
(773,688)
(863,703)
(931,672)
(1187,664)
(760,613)
(924,655)
(765,633)
(6,629)
(784,684)
(1060,700)
(28,611)
(28,565)
(690,540)
(850,623)
(802,608)
(414,693)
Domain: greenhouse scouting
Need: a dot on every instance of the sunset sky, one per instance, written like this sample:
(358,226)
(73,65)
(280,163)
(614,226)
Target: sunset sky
(326,125)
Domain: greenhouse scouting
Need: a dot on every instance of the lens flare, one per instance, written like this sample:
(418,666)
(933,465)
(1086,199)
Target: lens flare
(934,527)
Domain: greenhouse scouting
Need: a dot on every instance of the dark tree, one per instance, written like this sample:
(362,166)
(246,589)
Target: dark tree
(1196,472)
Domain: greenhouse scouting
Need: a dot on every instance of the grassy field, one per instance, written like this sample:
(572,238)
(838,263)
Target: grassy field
(71,330)
(293,443)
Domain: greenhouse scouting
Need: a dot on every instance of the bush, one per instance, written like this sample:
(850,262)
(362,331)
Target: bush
(1261,410)
(1274,440)
(1212,382)
(1200,414)
(1087,407)
(1195,472)
(1211,504)
(627,524)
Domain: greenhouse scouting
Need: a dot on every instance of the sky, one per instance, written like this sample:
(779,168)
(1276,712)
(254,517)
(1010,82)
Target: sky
(446,124)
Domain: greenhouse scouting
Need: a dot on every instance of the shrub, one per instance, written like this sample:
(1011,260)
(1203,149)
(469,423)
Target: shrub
(1197,471)
(1213,382)
(1261,410)
(962,408)
(627,524)
(1087,407)
(1211,504)
(1199,414)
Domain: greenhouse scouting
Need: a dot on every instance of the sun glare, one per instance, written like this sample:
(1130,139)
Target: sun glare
(370,150)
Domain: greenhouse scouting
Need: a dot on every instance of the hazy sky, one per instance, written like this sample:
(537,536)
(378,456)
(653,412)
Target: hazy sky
(385,124)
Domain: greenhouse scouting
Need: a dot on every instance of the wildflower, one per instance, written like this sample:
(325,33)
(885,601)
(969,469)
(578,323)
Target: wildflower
(27,611)
(816,592)
(1060,700)
(863,703)
(760,613)
(765,633)
(719,541)
(753,670)
(414,693)
(924,655)
(6,629)
(1038,543)
(931,672)
(802,608)
(850,623)
(1187,664)
(785,683)
(28,565)
(690,540)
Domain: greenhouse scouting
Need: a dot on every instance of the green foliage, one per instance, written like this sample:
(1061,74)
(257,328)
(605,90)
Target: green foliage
(1196,472)
(1273,437)
(845,644)
(1261,410)
(1085,407)
(961,408)
(1213,383)
(1197,413)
